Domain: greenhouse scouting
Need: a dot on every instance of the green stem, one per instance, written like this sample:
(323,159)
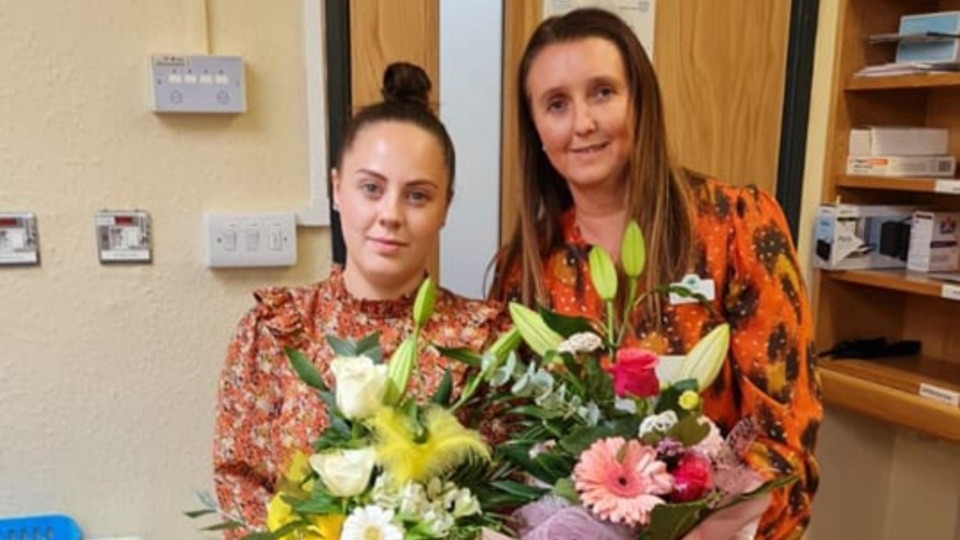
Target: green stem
(627,308)
(611,323)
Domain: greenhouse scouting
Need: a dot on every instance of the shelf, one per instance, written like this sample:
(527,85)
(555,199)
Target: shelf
(898,280)
(946,186)
(889,389)
(904,82)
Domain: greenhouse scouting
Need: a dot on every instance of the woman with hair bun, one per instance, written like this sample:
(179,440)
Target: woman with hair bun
(392,184)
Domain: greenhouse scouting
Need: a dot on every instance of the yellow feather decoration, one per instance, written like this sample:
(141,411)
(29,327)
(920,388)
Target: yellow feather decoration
(444,445)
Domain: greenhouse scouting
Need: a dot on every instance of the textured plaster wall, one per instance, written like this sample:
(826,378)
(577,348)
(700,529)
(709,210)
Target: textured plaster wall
(108,373)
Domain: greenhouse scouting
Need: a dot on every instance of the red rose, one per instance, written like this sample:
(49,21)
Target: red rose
(691,478)
(634,374)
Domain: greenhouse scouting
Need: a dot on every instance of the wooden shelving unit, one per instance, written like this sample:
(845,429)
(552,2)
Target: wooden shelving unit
(894,304)
(945,186)
(889,389)
(901,281)
(903,82)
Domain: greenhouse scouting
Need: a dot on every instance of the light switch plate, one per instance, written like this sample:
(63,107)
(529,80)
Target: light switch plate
(19,243)
(197,84)
(123,236)
(250,239)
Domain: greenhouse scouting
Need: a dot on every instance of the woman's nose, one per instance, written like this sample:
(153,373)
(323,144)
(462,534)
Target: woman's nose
(390,214)
(584,120)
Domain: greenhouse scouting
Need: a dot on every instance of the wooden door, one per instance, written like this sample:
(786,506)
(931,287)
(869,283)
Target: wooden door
(721,65)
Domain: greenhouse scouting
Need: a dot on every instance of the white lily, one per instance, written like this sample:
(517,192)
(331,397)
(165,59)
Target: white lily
(706,358)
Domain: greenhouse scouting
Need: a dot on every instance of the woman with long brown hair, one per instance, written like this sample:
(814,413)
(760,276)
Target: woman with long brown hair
(593,157)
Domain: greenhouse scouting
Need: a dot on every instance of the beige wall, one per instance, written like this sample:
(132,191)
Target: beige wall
(878,481)
(108,373)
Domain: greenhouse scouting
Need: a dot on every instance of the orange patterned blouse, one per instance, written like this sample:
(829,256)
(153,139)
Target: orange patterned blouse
(743,246)
(265,413)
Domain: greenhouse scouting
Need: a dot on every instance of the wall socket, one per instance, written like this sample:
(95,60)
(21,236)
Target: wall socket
(250,239)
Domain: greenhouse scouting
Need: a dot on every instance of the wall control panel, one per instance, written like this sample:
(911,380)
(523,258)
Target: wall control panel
(18,239)
(197,84)
(250,240)
(123,236)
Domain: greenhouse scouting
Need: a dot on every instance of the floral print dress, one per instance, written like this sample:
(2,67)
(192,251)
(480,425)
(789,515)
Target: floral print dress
(265,413)
(744,247)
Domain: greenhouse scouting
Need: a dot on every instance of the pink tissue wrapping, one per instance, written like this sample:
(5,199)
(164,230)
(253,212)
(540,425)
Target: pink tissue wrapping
(555,519)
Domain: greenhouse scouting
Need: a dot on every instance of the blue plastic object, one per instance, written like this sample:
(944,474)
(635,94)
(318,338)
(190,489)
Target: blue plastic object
(50,527)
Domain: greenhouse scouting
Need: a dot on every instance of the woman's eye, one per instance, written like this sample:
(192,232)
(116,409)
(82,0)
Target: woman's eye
(605,92)
(370,189)
(419,197)
(556,105)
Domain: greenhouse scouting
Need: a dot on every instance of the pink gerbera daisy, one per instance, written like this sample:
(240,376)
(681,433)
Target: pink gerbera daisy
(620,480)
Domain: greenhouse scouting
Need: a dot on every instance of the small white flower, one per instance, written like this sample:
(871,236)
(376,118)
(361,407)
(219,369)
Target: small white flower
(413,500)
(591,413)
(439,522)
(370,522)
(625,405)
(582,342)
(465,504)
(660,423)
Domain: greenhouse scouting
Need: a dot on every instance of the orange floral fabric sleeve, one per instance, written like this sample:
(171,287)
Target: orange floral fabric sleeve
(771,356)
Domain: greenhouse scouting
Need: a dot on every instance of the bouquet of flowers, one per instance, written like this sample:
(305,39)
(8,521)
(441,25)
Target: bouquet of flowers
(390,465)
(606,448)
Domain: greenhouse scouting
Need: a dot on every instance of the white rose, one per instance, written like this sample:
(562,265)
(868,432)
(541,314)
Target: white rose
(360,385)
(345,472)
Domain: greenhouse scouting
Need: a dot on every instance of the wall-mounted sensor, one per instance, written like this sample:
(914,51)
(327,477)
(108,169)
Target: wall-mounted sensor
(19,244)
(123,236)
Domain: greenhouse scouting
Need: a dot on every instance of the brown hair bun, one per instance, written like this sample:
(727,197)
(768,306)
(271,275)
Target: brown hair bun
(406,82)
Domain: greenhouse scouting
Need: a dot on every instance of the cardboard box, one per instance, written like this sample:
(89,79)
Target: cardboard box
(898,141)
(943,50)
(933,242)
(849,236)
(929,166)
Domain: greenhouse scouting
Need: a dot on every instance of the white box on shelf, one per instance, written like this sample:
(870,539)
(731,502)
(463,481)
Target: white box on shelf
(931,166)
(848,236)
(933,242)
(943,23)
(898,141)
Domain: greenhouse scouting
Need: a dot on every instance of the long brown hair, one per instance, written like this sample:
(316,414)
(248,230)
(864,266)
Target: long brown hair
(659,194)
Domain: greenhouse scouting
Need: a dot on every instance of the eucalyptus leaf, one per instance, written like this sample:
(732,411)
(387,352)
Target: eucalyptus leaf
(305,369)
(370,347)
(340,346)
